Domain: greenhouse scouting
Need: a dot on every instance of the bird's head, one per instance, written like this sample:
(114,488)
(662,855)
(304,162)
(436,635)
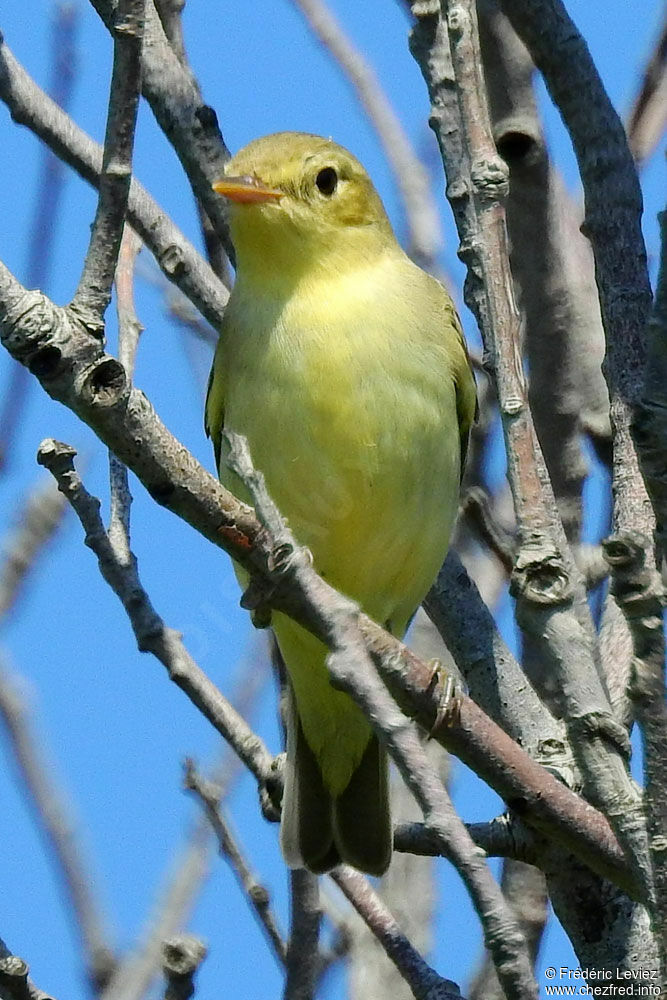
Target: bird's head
(297,199)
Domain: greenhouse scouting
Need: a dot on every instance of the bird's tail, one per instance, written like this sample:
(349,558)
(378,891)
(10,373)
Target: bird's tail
(319,831)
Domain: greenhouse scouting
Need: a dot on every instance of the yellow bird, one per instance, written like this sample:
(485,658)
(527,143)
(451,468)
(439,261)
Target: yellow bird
(344,366)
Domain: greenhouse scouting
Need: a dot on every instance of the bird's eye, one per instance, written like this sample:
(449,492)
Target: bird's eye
(327,181)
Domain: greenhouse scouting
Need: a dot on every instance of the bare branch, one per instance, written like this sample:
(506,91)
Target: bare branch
(475,505)
(54,819)
(45,212)
(525,891)
(93,293)
(650,424)
(208,795)
(638,589)
(613,205)
(14,981)
(503,837)
(134,973)
(552,267)
(41,516)
(551,600)
(424,982)
(169,12)
(410,175)
(303,959)
(175,255)
(181,957)
(14,978)
(151,632)
(190,125)
(647,120)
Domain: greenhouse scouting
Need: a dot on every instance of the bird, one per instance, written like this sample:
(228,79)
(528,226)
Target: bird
(344,366)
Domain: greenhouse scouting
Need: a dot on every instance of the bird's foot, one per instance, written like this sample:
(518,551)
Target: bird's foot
(447,690)
(271,790)
(256,599)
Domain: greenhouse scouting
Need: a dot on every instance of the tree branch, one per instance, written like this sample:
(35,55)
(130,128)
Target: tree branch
(190,125)
(650,423)
(14,981)
(503,837)
(648,117)
(424,982)
(208,795)
(613,208)
(93,292)
(410,175)
(181,957)
(60,836)
(638,589)
(551,599)
(303,959)
(175,255)
(134,973)
(151,632)
(45,210)
(41,515)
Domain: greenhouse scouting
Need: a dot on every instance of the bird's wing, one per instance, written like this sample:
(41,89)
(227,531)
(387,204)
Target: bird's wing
(214,411)
(467,406)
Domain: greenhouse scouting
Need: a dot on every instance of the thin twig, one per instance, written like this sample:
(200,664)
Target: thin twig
(475,505)
(208,795)
(552,268)
(134,974)
(503,837)
(181,957)
(175,255)
(647,119)
(54,819)
(190,125)
(410,175)
(93,292)
(170,14)
(424,982)
(525,891)
(41,516)
(46,208)
(136,971)
(14,981)
(150,630)
(129,330)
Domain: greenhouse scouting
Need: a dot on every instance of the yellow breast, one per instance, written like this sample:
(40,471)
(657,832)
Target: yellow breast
(346,394)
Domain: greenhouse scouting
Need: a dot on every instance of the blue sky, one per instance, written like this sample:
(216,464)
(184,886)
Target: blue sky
(114,730)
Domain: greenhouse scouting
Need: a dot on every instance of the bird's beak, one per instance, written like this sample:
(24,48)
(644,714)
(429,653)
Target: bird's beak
(246,190)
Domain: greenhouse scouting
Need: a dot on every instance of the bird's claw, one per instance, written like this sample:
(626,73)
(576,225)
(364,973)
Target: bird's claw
(448,693)
(255,599)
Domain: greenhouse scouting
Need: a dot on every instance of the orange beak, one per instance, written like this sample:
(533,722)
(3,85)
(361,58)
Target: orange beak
(246,190)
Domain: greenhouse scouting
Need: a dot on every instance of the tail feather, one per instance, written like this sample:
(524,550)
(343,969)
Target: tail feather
(306,827)
(362,824)
(317,831)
